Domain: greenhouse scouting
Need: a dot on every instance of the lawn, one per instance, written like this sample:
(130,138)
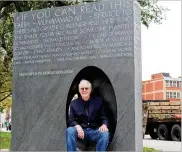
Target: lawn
(145,149)
(5,138)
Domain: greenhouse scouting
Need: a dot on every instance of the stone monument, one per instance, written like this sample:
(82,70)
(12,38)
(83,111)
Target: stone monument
(54,49)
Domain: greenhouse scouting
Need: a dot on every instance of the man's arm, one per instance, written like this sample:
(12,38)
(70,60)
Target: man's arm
(72,118)
(103,116)
(73,122)
(105,121)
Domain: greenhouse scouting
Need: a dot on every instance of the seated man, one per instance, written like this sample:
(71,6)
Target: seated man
(87,120)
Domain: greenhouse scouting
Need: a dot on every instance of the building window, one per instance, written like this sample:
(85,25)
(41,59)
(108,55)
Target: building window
(178,94)
(174,95)
(170,95)
(171,83)
(178,84)
(174,83)
(167,94)
(167,83)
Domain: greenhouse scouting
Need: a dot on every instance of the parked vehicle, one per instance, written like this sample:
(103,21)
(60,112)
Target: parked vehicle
(162,119)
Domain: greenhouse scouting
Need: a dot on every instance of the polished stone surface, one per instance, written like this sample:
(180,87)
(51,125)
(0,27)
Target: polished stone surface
(54,49)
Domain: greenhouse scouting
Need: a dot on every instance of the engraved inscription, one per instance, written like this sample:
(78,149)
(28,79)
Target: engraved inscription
(87,32)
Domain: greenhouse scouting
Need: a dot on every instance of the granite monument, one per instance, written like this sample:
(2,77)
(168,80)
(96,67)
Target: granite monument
(54,49)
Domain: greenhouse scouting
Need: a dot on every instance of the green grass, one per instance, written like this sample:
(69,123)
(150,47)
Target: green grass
(145,149)
(5,138)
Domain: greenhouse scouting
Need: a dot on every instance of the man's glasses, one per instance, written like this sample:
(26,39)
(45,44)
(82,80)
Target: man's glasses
(84,89)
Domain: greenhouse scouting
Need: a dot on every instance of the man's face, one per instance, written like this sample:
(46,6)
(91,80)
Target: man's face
(85,90)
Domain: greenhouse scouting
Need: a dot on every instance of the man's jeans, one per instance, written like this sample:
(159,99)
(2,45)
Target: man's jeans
(101,138)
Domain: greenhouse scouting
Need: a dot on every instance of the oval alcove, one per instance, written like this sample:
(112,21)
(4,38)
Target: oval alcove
(102,87)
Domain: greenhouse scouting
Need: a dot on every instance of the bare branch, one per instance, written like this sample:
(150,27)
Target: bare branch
(6,97)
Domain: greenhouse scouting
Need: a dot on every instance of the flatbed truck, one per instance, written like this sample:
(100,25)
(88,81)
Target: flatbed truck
(162,119)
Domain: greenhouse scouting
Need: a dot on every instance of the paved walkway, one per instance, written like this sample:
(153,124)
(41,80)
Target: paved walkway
(164,146)
(4,130)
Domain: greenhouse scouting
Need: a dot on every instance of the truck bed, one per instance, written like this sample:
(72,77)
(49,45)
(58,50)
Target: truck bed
(160,112)
(164,111)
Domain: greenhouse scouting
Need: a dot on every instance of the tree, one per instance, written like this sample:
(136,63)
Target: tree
(5,85)
(150,12)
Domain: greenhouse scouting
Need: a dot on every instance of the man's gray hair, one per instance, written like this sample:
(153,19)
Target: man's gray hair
(85,82)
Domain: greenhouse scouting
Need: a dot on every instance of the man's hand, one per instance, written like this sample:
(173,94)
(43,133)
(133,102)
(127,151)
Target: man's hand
(80,131)
(103,128)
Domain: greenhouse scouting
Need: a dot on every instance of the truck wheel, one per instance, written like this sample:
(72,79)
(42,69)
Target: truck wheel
(162,132)
(153,135)
(176,133)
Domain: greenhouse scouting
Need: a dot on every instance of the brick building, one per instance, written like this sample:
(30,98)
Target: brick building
(161,87)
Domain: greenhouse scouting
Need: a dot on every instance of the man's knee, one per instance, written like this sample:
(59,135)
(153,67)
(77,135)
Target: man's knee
(104,135)
(71,131)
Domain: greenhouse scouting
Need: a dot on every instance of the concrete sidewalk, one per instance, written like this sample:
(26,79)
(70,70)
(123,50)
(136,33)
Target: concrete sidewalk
(4,130)
(162,145)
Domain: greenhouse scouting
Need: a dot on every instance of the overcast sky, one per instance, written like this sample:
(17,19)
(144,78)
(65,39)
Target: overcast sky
(161,44)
